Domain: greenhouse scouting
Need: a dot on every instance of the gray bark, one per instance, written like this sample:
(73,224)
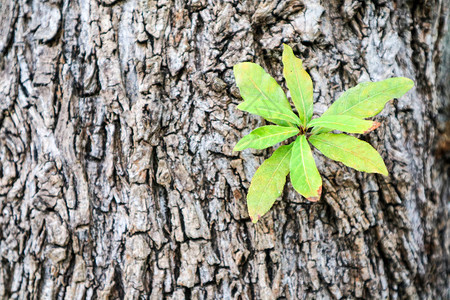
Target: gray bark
(117,176)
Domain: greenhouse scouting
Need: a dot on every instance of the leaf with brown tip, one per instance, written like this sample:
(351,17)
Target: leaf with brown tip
(268,183)
(305,177)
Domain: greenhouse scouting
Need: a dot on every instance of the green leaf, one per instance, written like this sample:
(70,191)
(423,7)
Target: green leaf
(305,177)
(262,95)
(265,136)
(268,182)
(350,151)
(344,123)
(368,98)
(299,84)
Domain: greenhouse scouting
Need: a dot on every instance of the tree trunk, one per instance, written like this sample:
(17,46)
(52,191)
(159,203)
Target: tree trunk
(117,176)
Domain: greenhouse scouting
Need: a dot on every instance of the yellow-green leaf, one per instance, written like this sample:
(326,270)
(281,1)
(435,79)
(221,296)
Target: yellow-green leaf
(299,84)
(350,151)
(265,136)
(305,177)
(368,98)
(344,123)
(268,182)
(262,95)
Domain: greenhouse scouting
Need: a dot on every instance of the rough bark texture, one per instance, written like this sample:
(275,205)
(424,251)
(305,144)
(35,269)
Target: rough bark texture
(117,179)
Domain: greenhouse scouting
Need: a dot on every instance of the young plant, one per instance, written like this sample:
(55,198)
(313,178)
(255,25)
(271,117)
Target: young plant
(264,97)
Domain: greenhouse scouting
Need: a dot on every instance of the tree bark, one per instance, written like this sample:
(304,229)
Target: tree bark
(117,176)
